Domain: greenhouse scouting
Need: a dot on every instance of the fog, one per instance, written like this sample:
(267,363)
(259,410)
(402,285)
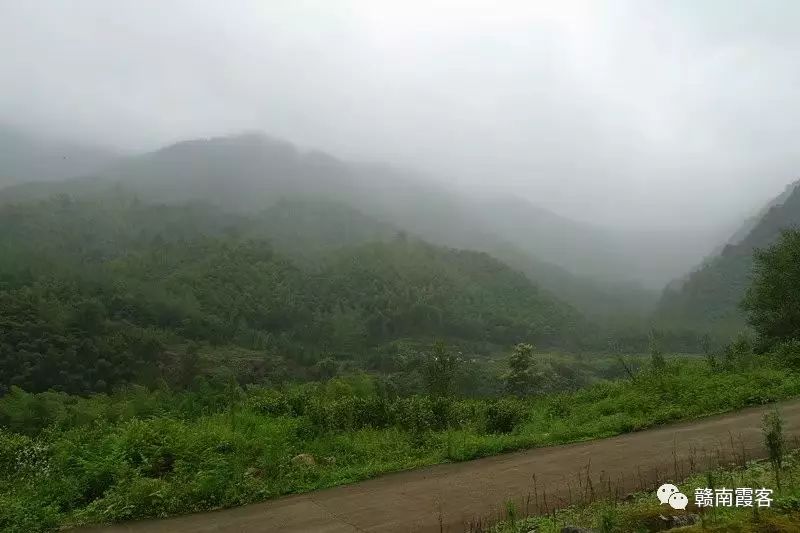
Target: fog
(640,114)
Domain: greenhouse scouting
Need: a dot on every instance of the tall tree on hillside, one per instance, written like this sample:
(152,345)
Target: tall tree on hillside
(773,299)
(441,368)
(520,379)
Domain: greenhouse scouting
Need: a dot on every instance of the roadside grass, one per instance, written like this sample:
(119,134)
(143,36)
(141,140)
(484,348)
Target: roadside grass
(67,461)
(643,513)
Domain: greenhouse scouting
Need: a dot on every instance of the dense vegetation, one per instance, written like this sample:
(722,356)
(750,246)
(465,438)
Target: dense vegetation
(98,295)
(138,453)
(772,300)
(710,296)
(172,342)
(249,173)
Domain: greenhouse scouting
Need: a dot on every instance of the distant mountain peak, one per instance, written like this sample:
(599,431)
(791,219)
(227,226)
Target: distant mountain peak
(247,140)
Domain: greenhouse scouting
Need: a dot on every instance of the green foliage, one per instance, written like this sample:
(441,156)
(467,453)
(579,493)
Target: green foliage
(183,327)
(67,460)
(326,368)
(98,295)
(657,360)
(709,299)
(773,301)
(441,367)
(609,520)
(521,378)
(511,512)
(641,513)
(775,442)
(504,415)
(788,353)
(738,353)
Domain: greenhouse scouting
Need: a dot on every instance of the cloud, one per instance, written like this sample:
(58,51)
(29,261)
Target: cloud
(678,113)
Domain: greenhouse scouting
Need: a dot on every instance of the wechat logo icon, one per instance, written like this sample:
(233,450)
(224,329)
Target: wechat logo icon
(670,494)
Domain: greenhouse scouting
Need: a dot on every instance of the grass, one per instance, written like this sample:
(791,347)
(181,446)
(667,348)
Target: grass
(642,512)
(67,461)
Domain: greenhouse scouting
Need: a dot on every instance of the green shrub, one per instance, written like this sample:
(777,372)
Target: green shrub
(137,498)
(775,441)
(23,412)
(414,414)
(269,402)
(148,446)
(140,453)
(503,415)
(12,447)
(558,407)
(371,412)
(21,513)
(788,353)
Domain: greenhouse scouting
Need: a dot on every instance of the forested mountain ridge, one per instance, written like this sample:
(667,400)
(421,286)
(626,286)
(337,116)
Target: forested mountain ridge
(252,173)
(97,294)
(711,295)
(601,301)
(749,225)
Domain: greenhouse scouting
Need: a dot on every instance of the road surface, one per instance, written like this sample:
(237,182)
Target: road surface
(451,497)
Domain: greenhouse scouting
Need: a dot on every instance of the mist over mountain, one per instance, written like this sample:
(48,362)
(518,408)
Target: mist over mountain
(29,157)
(645,256)
(710,296)
(253,171)
(309,203)
(749,225)
(254,249)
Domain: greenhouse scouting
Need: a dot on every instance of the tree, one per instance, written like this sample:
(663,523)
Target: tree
(189,365)
(441,367)
(773,299)
(520,378)
(775,441)
(656,353)
(326,368)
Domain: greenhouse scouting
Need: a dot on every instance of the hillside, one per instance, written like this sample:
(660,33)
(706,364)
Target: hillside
(305,229)
(582,249)
(750,224)
(100,294)
(709,297)
(603,301)
(252,173)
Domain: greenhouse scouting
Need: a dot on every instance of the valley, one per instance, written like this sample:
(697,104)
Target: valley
(190,321)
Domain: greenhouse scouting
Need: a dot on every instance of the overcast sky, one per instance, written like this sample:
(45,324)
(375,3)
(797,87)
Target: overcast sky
(616,112)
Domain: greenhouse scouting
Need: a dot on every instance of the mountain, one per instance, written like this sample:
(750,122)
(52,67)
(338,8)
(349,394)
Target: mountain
(612,257)
(251,173)
(25,157)
(709,297)
(307,229)
(750,224)
(599,300)
(95,294)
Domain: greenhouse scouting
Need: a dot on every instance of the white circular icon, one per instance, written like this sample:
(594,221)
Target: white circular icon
(678,501)
(665,491)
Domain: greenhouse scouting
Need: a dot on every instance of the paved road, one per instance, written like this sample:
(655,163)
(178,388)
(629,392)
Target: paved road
(450,497)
